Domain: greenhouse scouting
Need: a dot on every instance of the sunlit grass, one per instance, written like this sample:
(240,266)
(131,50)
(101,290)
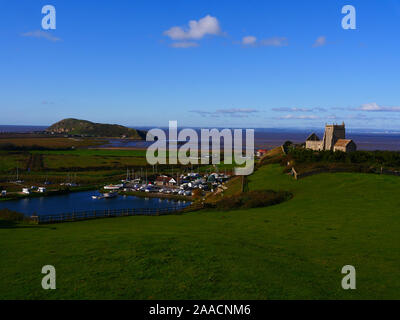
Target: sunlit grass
(292,250)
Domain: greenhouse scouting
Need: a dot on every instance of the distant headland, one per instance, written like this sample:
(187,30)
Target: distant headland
(84,128)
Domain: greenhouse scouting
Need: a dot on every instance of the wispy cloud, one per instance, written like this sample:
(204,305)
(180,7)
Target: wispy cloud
(275,42)
(270,42)
(295,109)
(249,40)
(47,102)
(233,112)
(320,41)
(237,110)
(299,117)
(374,107)
(196,29)
(184,44)
(40,34)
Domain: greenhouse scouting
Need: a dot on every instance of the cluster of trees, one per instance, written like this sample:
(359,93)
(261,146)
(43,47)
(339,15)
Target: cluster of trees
(373,158)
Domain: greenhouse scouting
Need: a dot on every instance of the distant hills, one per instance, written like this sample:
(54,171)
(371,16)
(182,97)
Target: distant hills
(78,127)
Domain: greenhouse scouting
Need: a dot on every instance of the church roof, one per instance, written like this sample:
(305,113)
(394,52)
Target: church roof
(343,142)
(313,137)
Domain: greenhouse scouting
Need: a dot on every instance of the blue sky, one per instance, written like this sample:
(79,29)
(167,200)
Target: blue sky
(239,64)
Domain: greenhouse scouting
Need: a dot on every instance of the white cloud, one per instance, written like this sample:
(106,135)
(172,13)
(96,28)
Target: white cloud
(270,42)
(370,107)
(184,44)
(196,29)
(375,107)
(320,41)
(40,34)
(249,40)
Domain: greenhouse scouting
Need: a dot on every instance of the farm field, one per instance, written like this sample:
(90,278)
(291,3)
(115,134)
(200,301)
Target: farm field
(294,250)
(56,165)
(66,162)
(51,142)
(87,165)
(9,160)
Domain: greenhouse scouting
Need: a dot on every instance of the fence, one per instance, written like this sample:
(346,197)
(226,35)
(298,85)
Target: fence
(108,213)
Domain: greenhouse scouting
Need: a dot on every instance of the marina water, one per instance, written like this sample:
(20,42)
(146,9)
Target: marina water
(82,201)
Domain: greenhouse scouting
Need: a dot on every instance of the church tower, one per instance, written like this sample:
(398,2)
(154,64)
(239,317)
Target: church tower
(333,132)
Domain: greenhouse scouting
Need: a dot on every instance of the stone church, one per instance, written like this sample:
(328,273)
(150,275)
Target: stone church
(334,140)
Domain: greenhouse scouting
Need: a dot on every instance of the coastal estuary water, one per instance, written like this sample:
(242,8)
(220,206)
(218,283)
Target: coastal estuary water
(82,201)
(272,139)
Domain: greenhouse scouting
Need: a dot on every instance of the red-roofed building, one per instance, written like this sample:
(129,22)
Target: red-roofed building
(261,152)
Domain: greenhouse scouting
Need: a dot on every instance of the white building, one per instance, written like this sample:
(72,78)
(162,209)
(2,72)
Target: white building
(42,189)
(26,190)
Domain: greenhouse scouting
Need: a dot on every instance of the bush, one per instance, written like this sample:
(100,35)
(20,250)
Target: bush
(253,199)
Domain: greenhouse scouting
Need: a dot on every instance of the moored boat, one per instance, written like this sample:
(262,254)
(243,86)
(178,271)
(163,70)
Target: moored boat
(110,194)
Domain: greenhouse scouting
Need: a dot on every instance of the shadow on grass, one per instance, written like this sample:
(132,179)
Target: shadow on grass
(7,224)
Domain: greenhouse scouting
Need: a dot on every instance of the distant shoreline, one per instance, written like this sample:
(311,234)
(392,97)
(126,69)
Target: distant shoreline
(264,138)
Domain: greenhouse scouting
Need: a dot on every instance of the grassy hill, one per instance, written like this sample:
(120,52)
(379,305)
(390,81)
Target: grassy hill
(292,250)
(86,128)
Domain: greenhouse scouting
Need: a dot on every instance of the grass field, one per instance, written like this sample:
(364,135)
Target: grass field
(57,162)
(87,165)
(92,158)
(292,250)
(10,160)
(95,152)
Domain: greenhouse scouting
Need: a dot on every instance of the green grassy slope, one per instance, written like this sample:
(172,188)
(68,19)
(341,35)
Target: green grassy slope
(292,250)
